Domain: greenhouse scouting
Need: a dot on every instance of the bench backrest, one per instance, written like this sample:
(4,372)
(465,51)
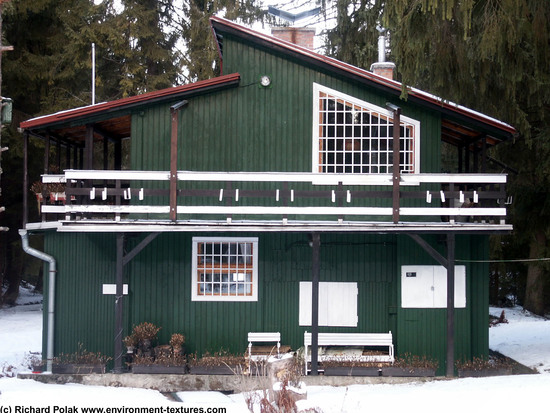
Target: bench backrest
(263,337)
(351,339)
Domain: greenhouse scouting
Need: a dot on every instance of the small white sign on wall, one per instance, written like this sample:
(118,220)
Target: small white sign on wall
(110,289)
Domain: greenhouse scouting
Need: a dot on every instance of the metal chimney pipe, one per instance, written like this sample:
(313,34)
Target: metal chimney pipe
(381,48)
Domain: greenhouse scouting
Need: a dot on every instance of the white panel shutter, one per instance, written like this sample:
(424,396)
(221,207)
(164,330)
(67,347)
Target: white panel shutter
(425,286)
(417,286)
(337,304)
(440,287)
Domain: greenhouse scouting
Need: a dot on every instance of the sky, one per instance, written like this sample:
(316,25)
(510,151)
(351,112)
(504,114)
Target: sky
(525,338)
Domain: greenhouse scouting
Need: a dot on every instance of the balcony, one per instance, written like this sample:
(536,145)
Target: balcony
(155,201)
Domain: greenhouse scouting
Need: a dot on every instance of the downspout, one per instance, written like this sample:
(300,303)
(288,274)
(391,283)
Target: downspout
(51,293)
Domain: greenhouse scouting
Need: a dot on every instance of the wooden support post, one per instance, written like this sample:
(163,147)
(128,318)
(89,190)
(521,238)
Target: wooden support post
(105,153)
(467,158)
(449,264)
(47,154)
(89,148)
(484,154)
(121,261)
(75,157)
(450,305)
(25,179)
(315,270)
(174,110)
(120,238)
(58,155)
(118,155)
(396,154)
(67,157)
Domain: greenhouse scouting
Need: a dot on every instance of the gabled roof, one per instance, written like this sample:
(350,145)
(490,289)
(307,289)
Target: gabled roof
(460,125)
(457,119)
(121,108)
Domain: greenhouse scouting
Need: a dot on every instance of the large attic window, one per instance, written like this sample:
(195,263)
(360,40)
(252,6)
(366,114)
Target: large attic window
(355,137)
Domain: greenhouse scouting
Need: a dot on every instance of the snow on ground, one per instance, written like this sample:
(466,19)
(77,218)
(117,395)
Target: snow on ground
(526,338)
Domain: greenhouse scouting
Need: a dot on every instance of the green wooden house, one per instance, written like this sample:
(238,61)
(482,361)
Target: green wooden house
(278,197)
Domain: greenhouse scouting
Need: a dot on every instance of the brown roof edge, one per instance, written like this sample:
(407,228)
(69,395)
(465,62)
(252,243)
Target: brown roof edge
(203,85)
(437,103)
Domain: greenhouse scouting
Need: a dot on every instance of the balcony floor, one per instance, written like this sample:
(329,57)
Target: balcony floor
(85,225)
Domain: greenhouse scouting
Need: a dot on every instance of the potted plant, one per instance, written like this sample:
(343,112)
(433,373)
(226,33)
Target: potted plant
(145,335)
(221,362)
(411,366)
(483,367)
(163,364)
(164,359)
(80,362)
(176,343)
(52,191)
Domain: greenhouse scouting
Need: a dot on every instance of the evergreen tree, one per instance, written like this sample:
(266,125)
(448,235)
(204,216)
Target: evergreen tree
(354,39)
(201,56)
(145,40)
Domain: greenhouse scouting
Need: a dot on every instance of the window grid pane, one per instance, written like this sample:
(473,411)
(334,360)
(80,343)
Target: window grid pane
(354,139)
(225,268)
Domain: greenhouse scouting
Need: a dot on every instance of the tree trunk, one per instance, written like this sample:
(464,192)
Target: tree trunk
(534,288)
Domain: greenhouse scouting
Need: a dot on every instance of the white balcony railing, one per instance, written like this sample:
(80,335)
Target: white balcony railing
(256,196)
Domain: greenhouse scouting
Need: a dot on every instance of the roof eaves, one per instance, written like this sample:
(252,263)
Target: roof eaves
(203,86)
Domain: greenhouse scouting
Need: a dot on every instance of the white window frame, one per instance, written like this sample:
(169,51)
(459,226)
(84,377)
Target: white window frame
(230,295)
(356,143)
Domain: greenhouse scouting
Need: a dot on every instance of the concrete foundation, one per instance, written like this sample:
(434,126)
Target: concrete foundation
(168,383)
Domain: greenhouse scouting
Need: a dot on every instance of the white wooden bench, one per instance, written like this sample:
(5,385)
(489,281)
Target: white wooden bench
(263,338)
(352,340)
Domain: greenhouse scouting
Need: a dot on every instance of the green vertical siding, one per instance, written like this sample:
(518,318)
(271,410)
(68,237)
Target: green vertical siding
(159,281)
(249,128)
(82,313)
(423,331)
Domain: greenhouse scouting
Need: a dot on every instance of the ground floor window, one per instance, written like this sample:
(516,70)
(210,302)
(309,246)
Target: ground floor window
(225,269)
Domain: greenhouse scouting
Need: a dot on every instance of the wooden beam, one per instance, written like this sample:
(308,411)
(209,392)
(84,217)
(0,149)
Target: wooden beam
(313,178)
(138,248)
(430,250)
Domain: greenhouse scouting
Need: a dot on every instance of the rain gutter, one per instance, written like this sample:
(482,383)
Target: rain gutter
(51,293)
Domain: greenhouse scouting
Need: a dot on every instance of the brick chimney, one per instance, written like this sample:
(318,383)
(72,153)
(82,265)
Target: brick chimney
(382,68)
(302,36)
